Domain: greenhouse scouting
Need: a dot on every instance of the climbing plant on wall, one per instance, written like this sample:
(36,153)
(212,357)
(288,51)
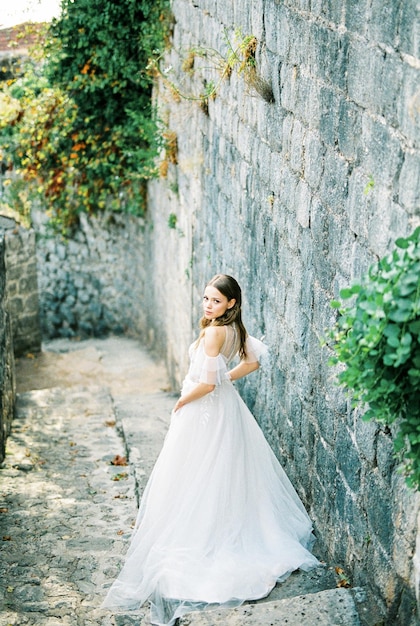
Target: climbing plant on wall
(377,338)
(83,132)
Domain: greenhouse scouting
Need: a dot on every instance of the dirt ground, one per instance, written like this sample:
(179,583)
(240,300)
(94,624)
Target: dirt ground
(113,362)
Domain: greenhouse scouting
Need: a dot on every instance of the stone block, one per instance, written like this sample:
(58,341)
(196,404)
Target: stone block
(379,237)
(32,304)
(365,434)
(408,30)
(378,561)
(264,161)
(326,418)
(409,107)
(257,19)
(349,129)
(297,140)
(61,251)
(348,458)
(389,78)
(329,52)
(359,205)
(314,153)
(303,204)
(342,494)
(383,22)
(377,504)
(355,15)
(299,40)
(409,183)
(385,456)
(383,154)
(28,284)
(356,526)
(321,497)
(328,120)
(361,73)
(341,245)
(16,307)
(333,188)
(326,467)
(289,87)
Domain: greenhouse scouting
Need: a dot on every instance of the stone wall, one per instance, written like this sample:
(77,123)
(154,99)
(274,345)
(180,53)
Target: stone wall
(22,287)
(7,377)
(96,281)
(296,198)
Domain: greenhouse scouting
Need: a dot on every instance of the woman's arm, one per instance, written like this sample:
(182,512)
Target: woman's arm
(213,340)
(243,369)
(201,390)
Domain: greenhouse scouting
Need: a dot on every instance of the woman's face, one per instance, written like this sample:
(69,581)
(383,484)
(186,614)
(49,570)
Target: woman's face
(215,303)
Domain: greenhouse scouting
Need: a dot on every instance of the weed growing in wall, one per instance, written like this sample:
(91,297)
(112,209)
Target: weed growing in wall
(81,129)
(377,338)
(212,68)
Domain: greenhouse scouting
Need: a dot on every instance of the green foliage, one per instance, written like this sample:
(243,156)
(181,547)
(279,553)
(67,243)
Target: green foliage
(84,135)
(172,220)
(377,337)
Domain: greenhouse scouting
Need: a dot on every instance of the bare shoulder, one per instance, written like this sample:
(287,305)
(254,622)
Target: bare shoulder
(214,337)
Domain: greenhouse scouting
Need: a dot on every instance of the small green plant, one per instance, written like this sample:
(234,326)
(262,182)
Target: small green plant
(172,220)
(377,338)
(369,185)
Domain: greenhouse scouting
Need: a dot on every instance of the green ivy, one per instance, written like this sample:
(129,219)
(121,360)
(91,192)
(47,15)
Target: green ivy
(377,338)
(81,129)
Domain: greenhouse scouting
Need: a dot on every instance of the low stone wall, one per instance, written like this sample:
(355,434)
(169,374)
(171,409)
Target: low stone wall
(22,287)
(7,376)
(94,282)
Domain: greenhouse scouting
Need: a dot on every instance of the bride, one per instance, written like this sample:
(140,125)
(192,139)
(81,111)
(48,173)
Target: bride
(219,522)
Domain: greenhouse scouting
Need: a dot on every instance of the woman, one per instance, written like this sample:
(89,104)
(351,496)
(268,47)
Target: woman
(219,522)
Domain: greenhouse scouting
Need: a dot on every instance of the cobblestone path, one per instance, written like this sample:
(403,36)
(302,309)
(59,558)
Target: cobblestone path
(66,511)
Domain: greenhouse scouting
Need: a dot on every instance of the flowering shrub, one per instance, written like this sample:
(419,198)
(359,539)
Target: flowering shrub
(377,338)
(80,128)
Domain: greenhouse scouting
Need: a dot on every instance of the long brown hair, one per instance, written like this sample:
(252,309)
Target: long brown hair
(229,287)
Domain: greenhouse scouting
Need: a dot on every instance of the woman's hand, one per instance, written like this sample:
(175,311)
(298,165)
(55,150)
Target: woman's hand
(178,405)
(199,391)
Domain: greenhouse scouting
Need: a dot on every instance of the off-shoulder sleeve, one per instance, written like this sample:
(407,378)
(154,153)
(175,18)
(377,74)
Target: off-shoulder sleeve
(208,369)
(255,350)
(212,370)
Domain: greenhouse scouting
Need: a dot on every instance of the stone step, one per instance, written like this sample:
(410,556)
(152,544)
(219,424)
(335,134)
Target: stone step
(332,607)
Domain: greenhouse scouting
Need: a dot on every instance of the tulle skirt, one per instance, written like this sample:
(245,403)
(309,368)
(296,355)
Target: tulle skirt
(219,522)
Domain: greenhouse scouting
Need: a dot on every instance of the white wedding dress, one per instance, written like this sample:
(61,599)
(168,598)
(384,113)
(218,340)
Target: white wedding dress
(219,522)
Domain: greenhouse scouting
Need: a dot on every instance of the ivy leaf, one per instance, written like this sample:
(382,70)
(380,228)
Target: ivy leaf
(402,243)
(346,293)
(414,327)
